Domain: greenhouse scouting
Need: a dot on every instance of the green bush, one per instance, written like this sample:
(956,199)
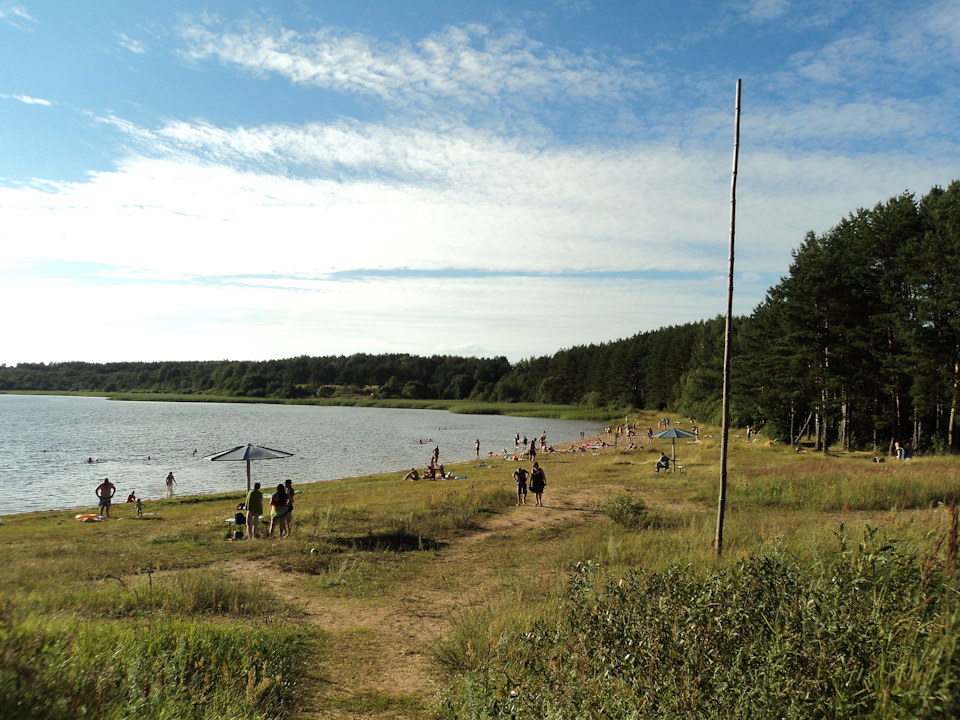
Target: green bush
(629,513)
(866,632)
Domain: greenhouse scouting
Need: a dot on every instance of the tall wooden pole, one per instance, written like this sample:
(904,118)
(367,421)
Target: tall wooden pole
(725,421)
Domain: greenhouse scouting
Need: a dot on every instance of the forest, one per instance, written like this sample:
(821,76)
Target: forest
(857,347)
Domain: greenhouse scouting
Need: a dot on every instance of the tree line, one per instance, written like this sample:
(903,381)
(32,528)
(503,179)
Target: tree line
(857,346)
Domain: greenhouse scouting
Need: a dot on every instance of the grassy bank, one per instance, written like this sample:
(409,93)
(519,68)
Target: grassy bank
(393,599)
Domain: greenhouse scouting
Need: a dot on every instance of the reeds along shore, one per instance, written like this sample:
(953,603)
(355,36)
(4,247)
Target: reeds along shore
(444,599)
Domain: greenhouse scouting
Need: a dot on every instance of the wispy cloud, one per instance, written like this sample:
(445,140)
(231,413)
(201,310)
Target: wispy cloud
(135,46)
(15,15)
(26,99)
(470,64)
(766,10)
(884,51)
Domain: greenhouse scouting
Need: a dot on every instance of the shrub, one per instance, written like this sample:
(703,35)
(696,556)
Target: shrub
(630,513)
(866,631)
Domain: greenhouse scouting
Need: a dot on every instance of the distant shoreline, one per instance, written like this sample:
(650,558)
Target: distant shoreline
(457,407)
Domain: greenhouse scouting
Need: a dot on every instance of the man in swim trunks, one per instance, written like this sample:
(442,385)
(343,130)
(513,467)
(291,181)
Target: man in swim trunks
(105,491)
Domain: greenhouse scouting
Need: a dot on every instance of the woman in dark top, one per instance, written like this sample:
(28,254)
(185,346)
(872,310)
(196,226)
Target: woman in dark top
(538,481)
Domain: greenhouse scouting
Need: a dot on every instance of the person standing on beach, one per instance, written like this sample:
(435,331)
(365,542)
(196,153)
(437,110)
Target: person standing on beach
(105,492)
(538,481)
(254,506)
(288,486)
(521,477)
(278,511)
(533,449)
(478,447)
(171,481)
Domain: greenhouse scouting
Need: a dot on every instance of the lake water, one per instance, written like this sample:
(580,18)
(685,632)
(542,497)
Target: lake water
(45,442)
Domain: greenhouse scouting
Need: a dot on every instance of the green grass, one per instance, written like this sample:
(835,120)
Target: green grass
(111,669)
(109,610)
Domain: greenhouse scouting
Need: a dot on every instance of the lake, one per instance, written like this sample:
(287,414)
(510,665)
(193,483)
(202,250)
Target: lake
(45,442)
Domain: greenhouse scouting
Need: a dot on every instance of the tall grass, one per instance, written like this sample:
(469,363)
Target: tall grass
(818,485)
(867,630)
(191,592)
(116,670)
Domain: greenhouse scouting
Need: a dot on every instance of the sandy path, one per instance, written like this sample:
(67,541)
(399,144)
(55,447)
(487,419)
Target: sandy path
(392,636)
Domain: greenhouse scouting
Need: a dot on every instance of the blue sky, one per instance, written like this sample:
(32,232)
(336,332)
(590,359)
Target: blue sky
(186,180)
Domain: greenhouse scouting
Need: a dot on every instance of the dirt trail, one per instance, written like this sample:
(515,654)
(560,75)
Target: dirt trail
(392,635)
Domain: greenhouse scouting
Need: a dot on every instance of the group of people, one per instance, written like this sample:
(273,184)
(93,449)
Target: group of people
(538,481)
(431,473)
(281,510)
(106,490)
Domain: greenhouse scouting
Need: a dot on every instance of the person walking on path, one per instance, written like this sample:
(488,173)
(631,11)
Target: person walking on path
(254,506)
(171,481)
(538,481)
(521,477)
(105,492)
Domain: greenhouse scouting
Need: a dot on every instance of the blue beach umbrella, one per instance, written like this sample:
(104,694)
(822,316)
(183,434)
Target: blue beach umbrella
(673,434)
(248,453)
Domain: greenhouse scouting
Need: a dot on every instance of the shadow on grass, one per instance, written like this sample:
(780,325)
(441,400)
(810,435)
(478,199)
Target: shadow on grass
(394,542)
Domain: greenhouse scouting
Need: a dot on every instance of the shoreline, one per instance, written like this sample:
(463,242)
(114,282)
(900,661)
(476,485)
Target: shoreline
(51,437)
(456,407)
(562,448)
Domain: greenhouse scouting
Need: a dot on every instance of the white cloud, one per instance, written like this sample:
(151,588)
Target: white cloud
(901,46)
(13,14)
(518,318)
(26,99)
(469,63)
(135,46)
(766,10)
(418,231)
